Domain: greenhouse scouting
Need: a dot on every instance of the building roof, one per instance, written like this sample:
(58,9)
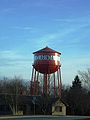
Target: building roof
(46,50)
(60,100)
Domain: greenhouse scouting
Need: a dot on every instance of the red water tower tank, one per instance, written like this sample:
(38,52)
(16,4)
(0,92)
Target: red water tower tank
(46,61)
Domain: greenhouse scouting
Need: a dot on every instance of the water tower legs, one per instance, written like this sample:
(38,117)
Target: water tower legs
(45,85)
(59,82)
(37,85)
(54,84)
(36,80)
(34,89)
(34,84)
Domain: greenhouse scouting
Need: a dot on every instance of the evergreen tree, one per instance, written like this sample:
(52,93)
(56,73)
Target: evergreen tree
(75,97)
(76,84)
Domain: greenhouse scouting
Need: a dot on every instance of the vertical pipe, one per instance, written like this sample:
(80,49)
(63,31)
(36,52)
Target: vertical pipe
(54,85)
(48,83)
(37,85)
(34,90)
(32,74)
(31,84)
(48,78)
(60,82)
(58,76)
(45,84)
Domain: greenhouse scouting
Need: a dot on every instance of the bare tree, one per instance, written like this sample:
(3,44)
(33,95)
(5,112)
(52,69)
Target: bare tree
(12,89)
(85,78)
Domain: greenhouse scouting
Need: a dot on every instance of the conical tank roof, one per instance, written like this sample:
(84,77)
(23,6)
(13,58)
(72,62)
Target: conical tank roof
(46,50)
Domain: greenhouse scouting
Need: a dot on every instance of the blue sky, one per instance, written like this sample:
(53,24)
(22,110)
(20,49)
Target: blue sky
(29,25)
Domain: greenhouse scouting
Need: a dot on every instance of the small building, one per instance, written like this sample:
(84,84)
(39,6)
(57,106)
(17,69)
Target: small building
(59,108)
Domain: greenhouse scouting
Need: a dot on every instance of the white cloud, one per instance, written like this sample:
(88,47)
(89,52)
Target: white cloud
(23,27)
(6,10)
(26,28)
(85,19)
(60,35)
(13,63)
(11,58)
(8,54)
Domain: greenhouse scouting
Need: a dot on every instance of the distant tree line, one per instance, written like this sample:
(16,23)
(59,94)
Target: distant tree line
(76,96)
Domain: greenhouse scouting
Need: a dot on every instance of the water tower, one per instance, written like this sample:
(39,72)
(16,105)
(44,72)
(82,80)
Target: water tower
(46,62)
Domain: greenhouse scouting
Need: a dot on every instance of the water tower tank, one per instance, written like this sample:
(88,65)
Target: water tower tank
(46,60)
